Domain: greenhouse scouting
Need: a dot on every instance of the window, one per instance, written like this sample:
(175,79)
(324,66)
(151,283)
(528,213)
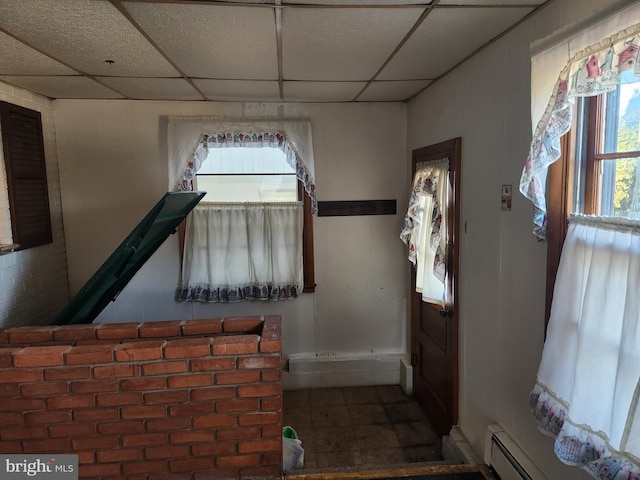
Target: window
(23,148)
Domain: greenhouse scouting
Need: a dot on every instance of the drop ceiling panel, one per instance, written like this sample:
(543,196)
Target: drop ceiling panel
(321,91)
(62,87)
(341,43)
(84,33)
(491,2)
(18,59)
(438,43)
(153,88)
(213,41)
(239,90)
(392,91)
(376,3)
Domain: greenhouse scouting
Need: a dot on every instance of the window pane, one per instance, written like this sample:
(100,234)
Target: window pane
(622,119)
(620,193)
(248,188)
(246,160)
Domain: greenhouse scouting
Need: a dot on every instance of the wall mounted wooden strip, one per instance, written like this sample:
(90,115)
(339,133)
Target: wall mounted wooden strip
(356,207)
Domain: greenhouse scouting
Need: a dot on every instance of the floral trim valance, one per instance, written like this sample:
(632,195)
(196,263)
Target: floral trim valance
(597,69)
(190,138)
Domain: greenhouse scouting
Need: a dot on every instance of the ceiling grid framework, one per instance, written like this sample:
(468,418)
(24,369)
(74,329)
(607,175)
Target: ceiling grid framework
(245,50)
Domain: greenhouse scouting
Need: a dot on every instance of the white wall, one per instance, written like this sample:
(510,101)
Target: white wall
(502,286)
(33,282)
(113,166)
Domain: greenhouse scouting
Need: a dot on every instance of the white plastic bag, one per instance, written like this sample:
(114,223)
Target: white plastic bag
(292,451)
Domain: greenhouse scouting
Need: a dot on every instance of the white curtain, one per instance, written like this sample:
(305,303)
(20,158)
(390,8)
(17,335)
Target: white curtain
(424,229)
(243,251)
(188,138)
(588,382)
(582,64)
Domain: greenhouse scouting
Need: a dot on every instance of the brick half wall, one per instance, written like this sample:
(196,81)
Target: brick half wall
(198,399)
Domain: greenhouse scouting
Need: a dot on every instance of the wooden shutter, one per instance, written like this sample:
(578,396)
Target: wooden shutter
(23,148)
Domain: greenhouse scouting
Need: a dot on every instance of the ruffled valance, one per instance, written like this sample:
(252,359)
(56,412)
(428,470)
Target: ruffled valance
(594,70)
(189,139)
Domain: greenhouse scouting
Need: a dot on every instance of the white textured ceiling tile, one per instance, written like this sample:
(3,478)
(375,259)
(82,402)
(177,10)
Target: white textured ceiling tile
(321,91)
(153,88)
(62,87)
(238,90)
(213,41)
(376,3)
(491,2)
(83,34)
(446,37)
(18,59)
(341,44)
(392,91)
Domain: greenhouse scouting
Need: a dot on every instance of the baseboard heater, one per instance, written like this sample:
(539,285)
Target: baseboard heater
(506,458)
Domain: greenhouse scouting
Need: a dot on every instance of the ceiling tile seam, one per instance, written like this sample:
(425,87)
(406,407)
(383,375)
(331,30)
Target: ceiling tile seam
(278,19)
(71,67)
(125,13)
(404,40)
(537,9)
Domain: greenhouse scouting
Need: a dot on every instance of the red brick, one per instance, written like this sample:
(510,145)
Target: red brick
(191,464)
(117,331)
(235,345)
(40,356)
(265,472)
(167,451)
(191,436)
(213,393)
(271,403)
(188,348)
(98,442)
(30,335)
(215,448)
(120,455)
(75,401)
(212,421)
(238,461)
(121,426)
(6,356)
(87,414)
(166,424)
(116,371)
(201,327)
(270,346)
(260,418)
(89,355)
(190,409)
(271,431)
(272,458)
(67,373)
(11,447)
(151,411)
(238,433)
(46,388)
(143,384)
(242,324)
(94,386)
(20,376)
(70,333)
(160,329)
(144,467)
(24,432)
(52,445)
(191,380)
(118,398)
(260,445)
(21,404)
(271,338)
(234,378)
(139,351)
(213,364)
(11,418)
(144,439)
(238,405)
(99,470)
(87,456)
(167,397)
(9,390)
(260,361)
(76,429)
(162,368)
(46,417)
(4,336)
(262,390)
(217,474)
(270,375)
(169,476)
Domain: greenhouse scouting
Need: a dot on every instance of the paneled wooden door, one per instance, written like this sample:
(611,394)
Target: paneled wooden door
(434,330)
